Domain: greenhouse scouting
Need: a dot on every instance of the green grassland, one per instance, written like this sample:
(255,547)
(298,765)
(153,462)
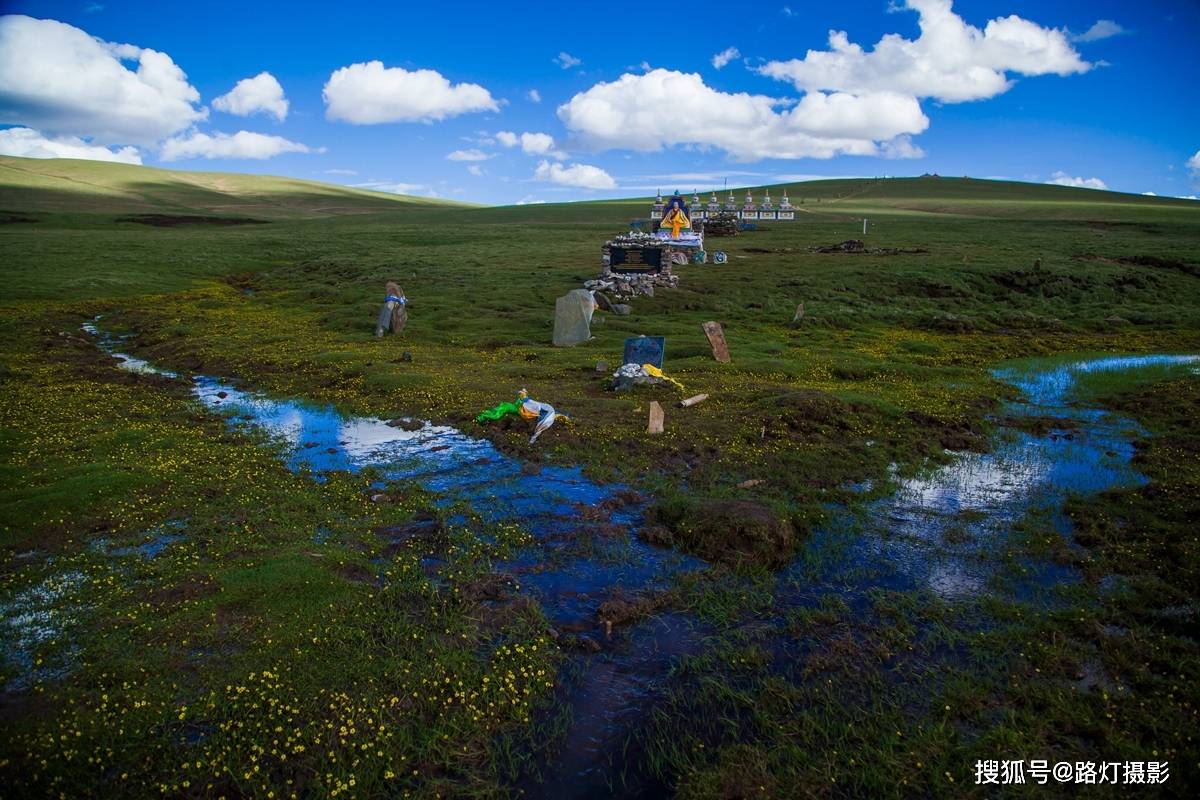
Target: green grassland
(250,661)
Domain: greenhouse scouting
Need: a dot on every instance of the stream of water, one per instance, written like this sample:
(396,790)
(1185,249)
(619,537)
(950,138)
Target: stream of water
(940,532)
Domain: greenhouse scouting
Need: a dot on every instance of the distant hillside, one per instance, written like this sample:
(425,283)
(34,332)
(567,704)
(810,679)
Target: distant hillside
(965,197)
(74,186)
(29,185)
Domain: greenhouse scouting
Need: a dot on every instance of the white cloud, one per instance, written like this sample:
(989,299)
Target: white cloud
(1193,165)
(468,155)
(262,93)
(584,176)
(643,112)
(532,144)
(368,94)
(787,11)
(1150,194)
(242,144)
(902,147)
(475,170)
(341,172)
(725,56)
(29,143)
(1101,29)
(566,60)
(1061,178)
(534,96)
(393,187)
(58,79)
(530,200)
(951,60)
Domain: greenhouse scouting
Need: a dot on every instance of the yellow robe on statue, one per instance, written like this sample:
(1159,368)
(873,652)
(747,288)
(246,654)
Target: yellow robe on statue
(676,220)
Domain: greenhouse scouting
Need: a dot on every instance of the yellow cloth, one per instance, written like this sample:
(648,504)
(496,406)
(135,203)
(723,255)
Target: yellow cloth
(655,372)
(676,220)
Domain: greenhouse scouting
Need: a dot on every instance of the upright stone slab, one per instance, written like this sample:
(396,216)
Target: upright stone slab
(656,418)
(573,318)
(716,339)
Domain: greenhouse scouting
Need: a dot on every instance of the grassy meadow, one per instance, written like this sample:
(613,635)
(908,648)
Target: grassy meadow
(250,659)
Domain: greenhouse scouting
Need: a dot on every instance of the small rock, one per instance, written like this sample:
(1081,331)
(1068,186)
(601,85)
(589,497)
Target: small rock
(601,366)
(406,423)
(222,395)
(406,356)
(750,484)
(380,498)
(602,301)
(622,309)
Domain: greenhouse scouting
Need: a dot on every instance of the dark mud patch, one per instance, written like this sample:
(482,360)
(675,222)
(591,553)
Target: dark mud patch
(423,532)
(619,611)
(1154,262)
(1108,225)
(726,531)
(1042,282)
(959,434)
(13,218)
(858,246)
(177,220)
(356,573)
(187,591)
(493,587)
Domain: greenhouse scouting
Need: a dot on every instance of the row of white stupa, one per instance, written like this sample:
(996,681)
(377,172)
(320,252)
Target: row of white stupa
(747,210)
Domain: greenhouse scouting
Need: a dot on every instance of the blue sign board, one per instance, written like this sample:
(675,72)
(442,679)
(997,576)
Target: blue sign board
(645,350)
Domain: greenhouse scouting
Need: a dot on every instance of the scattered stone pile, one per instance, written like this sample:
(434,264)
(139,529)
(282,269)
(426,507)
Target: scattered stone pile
(631,375)
(627,285)
(725,223)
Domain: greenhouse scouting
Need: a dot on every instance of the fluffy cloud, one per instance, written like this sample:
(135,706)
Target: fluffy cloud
(31,144)
(566,60)
(1061,178)
(1193,165)
(58,79)
(725,56)
(583,176)
(644,112)
(392,187)
(468,155)
(534,96)
(533,144)
(902,147)
(262,93)
(242,144)
(370,93)
(1101,29)
(951,61)
(476,170)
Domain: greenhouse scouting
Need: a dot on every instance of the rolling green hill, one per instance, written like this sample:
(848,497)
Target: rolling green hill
(75,186)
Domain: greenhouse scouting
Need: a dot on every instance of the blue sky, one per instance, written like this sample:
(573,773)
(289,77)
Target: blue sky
(506,103)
